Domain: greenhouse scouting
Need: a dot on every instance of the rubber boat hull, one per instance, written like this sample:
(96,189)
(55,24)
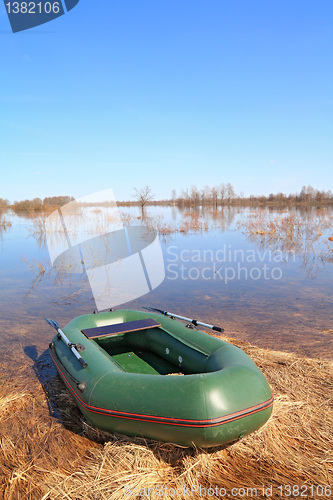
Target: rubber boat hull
(168,382)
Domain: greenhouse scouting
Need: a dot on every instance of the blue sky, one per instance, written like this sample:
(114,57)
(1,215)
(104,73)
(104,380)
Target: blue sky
(170,94)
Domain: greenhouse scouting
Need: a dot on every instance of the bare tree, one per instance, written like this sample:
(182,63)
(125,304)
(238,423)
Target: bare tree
(184,198)
(214,192)
(205,195)
(143,195)
(195,195)
(223,191)
(4,203)
(230,192)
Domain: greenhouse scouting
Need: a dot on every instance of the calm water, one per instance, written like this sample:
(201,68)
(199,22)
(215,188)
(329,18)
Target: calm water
(265,276)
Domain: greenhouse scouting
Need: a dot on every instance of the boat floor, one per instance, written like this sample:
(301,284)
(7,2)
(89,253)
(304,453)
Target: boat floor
(143,362)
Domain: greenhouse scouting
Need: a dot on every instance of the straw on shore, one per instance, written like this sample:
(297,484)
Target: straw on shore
(45,458)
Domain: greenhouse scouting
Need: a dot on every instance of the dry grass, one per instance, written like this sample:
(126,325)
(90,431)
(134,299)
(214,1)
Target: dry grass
(38,268)
(292,234)
(4,223)
(290,227)
(45,458)
(192,222)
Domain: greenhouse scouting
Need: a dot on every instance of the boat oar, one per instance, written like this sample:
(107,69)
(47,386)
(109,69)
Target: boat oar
(193,321)
(72,346)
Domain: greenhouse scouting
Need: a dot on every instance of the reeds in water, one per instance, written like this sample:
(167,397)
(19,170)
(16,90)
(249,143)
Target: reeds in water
(4,223)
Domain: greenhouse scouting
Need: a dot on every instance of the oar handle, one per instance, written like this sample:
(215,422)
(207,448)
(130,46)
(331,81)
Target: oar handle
(218,329)
(82,362)
(78,357)
(193,321)
(155,309)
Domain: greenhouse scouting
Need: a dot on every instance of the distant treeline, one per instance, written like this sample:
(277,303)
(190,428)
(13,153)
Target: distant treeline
(221,195)
(225,194)
(37,204)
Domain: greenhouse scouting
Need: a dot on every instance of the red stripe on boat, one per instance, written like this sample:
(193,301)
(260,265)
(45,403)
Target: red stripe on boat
(165,420)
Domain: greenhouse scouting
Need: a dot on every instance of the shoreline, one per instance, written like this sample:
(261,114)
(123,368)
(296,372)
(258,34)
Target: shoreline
(63,457)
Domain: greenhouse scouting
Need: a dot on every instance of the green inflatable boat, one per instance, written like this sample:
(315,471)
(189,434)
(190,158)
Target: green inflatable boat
(143,374)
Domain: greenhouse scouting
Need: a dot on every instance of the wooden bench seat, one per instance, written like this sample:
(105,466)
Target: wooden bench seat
(115,329)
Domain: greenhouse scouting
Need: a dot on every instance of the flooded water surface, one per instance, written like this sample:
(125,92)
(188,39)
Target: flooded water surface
(265,276)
